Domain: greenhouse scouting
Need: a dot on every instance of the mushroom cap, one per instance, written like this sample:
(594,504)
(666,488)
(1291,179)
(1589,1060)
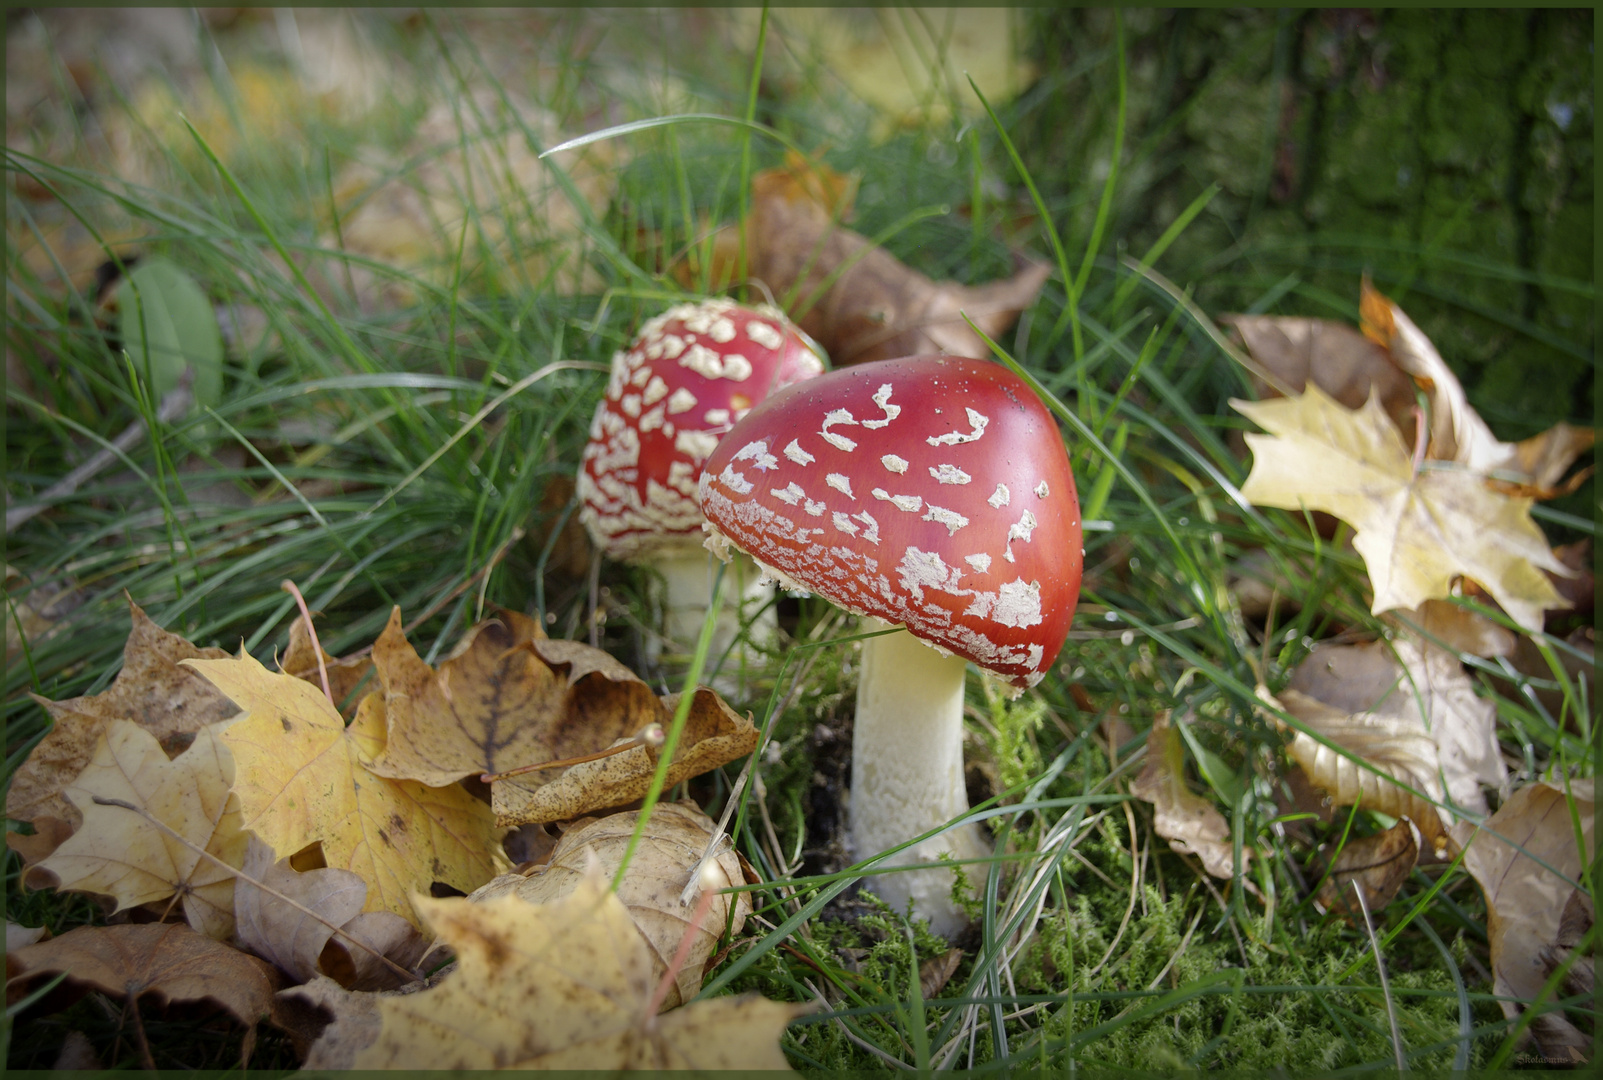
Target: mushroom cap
(932,491)
(689,374)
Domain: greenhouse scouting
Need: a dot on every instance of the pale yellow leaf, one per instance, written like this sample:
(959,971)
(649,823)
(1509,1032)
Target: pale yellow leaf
(121,853)
(302,778)
(1416,531)
(547,986)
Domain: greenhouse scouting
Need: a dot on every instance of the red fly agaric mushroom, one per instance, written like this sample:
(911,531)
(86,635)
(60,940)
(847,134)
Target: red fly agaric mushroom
(933,493)
(689,374)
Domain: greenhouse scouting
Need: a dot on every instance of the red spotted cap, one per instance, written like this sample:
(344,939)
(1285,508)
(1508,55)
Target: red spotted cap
(932,491)
(690,374)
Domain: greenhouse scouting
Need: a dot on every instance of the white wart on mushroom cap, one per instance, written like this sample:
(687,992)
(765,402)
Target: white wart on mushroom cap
(931,492)
(689,375)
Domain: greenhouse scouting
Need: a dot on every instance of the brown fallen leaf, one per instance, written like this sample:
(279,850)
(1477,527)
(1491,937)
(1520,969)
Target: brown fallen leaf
(1457,629)
(301,946)
(489,707)
(1378,864)
(1579,915)
(562,985)
(301,777)
(1408,688)
(152,690)
(1191,824)
(508,697)
(714,734)
(1338,359)
(48,834)
(1417,529)
(669,852)
(1521,859)
(1542,460)
(857,300)
(166,959)
(937,971)
(122,853)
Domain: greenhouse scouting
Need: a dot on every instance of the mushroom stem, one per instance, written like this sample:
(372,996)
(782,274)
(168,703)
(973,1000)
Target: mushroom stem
(907,772)
(687,578)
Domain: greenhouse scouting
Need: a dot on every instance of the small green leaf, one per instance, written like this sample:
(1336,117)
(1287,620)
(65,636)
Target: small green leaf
(167,324)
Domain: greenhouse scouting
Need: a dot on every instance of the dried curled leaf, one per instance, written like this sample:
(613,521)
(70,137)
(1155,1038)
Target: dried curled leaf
(302,777)
(1414,687)
(1378,864)
(1416,529)
(152,690)
(1527,859)
(1457,433)
(167,959)
(1397,747)
(561,985)
(670,851)
(122,853)
(1190,823)
(303,946)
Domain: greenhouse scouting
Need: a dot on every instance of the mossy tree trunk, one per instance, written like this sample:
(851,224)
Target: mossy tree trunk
(1447,152)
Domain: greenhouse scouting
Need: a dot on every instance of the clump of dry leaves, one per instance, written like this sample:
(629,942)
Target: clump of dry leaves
(857,300)
(257,840)
(1440,509)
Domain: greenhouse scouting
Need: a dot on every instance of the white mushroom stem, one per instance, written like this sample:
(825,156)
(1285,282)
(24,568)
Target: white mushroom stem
(907,773)
(688,577)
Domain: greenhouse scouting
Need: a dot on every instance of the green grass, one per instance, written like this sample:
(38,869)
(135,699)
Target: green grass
(354,455)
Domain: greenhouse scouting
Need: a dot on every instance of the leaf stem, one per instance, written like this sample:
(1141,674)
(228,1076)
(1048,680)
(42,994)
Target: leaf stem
(650,735)
(311,631)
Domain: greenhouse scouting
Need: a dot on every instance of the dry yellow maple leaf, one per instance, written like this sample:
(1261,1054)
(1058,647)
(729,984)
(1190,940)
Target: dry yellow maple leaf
(670,851)
(152,690)
(122,853)
(562,985)
(1416,528)
(1527,859)
(1190,823)
(302,777)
